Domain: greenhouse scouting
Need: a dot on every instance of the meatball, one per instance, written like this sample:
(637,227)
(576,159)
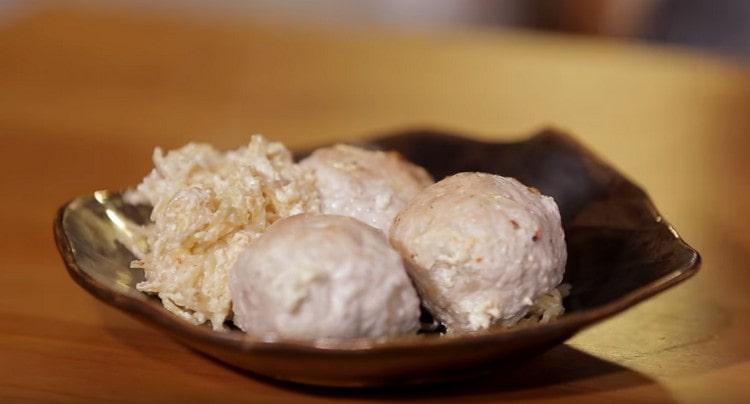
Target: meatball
(322,276)
(481,249)
(371,186)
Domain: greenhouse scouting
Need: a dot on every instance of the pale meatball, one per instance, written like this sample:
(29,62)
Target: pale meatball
(322,276)
(371,186)
(481,249)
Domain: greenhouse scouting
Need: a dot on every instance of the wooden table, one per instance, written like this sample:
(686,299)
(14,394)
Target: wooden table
(85,95)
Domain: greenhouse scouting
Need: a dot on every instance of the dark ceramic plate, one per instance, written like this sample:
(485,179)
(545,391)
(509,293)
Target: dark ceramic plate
(621,251)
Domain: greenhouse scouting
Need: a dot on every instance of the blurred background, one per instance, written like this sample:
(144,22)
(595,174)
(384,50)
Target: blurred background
(719,26)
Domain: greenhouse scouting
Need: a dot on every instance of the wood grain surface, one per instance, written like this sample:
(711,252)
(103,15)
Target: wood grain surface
(85,95)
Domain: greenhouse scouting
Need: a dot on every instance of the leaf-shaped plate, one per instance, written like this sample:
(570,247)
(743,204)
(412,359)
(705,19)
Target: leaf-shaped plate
(620,252)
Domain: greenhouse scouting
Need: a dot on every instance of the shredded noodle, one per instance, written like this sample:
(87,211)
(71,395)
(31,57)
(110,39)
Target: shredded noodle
(207,207)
